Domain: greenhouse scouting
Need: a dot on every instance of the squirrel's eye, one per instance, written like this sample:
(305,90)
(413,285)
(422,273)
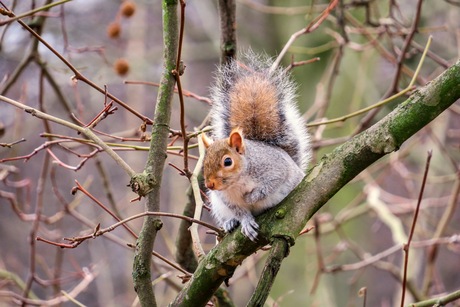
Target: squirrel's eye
(228,162)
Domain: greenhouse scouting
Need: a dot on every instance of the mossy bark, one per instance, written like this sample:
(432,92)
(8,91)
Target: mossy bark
(153,171)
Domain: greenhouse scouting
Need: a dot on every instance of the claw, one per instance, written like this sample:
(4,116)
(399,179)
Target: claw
(249,229)
(230,225)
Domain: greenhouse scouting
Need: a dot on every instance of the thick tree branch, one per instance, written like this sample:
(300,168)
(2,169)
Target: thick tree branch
(278,251)
(153,172)
(333,172)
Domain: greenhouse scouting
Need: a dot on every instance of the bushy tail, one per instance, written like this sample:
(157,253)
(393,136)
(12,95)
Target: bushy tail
(262,103)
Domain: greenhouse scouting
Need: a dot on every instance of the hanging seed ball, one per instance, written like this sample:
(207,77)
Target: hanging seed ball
(121,67)
(113,30)
(128,8)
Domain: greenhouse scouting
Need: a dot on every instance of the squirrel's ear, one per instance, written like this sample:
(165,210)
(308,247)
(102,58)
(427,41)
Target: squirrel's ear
(206,140)
(236,140)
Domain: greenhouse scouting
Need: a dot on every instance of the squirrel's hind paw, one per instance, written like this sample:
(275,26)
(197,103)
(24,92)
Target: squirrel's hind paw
(249,228)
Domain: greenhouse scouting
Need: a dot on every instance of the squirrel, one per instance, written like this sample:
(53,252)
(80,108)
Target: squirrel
(259,148)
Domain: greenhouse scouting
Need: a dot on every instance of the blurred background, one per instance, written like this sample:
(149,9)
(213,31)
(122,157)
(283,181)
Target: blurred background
(119,44)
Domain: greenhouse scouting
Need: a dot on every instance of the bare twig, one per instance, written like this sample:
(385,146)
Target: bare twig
(79,187)
(31,12)
(405,48)
(9,145)
(177,72)
(411,233)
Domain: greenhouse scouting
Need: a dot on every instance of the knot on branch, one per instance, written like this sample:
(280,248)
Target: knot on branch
(288,239)
(158,224)
(142,183)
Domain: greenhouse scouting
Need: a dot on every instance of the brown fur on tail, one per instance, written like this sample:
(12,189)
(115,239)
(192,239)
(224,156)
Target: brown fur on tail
(254,107)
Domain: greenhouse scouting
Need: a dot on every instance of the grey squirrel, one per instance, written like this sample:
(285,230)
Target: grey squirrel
(260,146)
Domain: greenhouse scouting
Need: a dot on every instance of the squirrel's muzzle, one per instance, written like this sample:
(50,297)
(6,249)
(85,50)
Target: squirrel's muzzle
(210,185)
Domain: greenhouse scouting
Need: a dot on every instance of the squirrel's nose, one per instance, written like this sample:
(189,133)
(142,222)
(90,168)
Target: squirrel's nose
(210,185)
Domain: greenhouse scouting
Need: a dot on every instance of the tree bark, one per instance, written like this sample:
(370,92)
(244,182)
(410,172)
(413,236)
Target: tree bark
(150,179)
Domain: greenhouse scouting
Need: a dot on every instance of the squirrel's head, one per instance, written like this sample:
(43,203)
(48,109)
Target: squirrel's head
(223,161)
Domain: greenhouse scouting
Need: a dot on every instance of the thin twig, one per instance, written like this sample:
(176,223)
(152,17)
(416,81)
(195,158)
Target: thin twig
(31,12)
(319,256)
(9,145)
(406,46)
(79,187)
(177,72)
(411,233)
(300,63)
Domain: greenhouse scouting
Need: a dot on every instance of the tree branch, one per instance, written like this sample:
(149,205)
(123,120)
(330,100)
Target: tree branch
(333,172)
(278,251)
(156,159)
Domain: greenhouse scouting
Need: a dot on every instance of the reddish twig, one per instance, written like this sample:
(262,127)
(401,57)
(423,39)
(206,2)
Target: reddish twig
(407,43)
(34,152)
(9,145)
(79,187)
(106,111)
(177,72)
(411,233)
(82,162)
(300,63)
(319,256)
(181,172)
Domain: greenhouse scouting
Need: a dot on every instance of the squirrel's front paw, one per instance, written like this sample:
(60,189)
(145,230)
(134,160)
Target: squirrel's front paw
(253,196)
(249,228)
(230,225)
